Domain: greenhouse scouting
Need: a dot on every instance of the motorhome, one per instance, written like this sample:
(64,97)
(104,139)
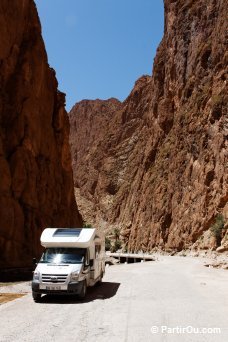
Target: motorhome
(73,259)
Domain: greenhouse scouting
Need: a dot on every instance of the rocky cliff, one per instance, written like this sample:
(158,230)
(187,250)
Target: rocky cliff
(36,184)
(155,166)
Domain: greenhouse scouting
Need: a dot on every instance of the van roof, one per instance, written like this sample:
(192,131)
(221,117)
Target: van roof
(68,237)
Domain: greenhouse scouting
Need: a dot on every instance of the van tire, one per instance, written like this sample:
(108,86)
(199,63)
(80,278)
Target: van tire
(36,296)
(83,290)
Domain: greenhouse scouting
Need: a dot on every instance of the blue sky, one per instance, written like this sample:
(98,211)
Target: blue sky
(100,47)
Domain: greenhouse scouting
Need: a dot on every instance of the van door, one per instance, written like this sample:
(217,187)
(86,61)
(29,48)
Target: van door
(97,262)
(86,267)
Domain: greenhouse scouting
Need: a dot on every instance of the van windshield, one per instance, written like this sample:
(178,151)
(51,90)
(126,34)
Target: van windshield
(59,255)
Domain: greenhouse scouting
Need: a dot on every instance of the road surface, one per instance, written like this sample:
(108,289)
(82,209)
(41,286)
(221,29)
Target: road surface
(172,299)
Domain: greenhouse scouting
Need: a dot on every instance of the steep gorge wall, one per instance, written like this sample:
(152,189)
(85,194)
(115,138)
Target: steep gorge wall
(36,182)
(155,166)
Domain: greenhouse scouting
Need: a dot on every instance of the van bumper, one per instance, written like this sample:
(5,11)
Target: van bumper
(72,288)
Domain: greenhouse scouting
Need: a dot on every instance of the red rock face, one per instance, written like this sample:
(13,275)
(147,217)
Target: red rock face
(156,165)
(36,186)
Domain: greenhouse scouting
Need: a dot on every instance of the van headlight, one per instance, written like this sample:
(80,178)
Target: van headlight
(74,276)
(36,275)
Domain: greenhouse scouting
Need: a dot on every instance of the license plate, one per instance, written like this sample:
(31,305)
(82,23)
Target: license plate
(53,288)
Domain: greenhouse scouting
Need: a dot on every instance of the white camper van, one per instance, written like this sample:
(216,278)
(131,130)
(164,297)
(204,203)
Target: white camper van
(73,260)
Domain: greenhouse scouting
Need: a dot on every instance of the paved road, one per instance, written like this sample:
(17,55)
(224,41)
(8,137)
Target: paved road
(175,292)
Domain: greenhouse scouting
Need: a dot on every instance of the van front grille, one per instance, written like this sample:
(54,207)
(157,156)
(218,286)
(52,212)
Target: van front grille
(54,278)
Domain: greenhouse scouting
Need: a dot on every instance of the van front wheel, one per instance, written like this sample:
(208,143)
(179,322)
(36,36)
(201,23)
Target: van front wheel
(83,290)
(36,296)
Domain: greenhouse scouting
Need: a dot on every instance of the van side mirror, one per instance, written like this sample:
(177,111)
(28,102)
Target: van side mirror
(91,263)
(34,261)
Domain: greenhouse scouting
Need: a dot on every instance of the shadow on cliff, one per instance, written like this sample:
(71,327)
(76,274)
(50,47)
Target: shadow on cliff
(17,274)
(103,291)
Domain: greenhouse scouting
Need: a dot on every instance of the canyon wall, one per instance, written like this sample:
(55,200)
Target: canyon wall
(36,181)
(155,166)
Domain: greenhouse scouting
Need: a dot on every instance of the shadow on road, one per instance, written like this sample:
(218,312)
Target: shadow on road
(103,291)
